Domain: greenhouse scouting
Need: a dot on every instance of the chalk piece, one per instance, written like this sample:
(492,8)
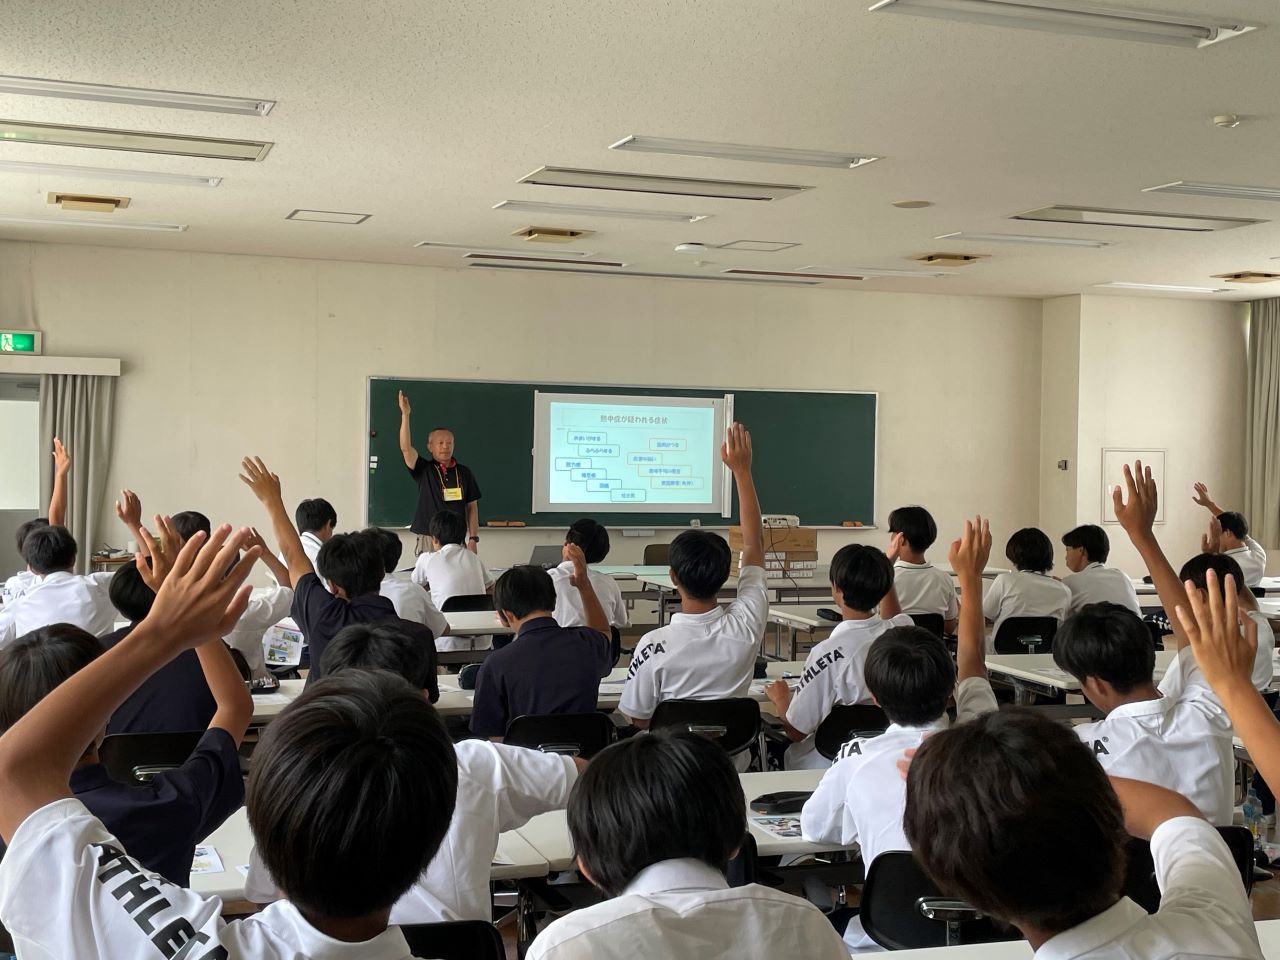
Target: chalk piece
(516,523)
(848,523)
(857,523)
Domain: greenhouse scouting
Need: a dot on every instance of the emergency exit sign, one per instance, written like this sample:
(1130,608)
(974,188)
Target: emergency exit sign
(19,341)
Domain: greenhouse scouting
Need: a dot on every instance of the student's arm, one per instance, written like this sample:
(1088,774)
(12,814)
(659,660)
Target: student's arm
(968,558)
(266,487)
(196,604)
(61,470)
(1137,514)
(1146,806)
(1202,498)
(890,606)
(129,510)
(736,454)
(1211,542)
(473,525)
(406,442)
(596,618)
(779,694)
(278,570)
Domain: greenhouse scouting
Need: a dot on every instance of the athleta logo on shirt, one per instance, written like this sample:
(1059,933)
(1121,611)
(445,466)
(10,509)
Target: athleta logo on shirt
(640,656)
(850,749)
(1099,748)
(815,668)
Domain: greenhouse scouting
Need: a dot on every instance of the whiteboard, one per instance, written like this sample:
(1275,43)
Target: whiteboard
(1113,461)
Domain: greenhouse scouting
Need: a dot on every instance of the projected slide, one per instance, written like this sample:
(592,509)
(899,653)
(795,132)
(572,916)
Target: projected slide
(628,454)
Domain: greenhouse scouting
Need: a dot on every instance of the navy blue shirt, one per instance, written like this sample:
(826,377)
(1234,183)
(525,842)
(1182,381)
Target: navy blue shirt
(546,669)
(174,699)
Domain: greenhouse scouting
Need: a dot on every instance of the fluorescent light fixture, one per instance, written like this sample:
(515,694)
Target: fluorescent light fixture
(1025,238)
(738,151)
(1190,189)
(535,258)
(102,224)
(106,173)
(1081,19)
(1142,219)
(1160,287)
(137,141)
(476,248)
(583,210)
(139,96)
(794,274)
(329,216)
(878,272)
(757,246)
(582,268)
(675,186)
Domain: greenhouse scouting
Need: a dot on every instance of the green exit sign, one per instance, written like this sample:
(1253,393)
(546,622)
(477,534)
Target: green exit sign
(19,341)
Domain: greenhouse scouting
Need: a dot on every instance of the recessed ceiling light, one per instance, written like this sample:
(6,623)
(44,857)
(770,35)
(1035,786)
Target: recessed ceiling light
(879,272)
(1161,287)
(106,173)
(97,224)
(757,246)
(1025,238)
(1191,189)
(577,209)
(141,96)
(136,141)
(582,268)
(1247,276)
(950,259)
(329,216)
(645,183)
(477,248)
(88,203)
(1082,19)
(912,204)
(1141,219)
(738,151)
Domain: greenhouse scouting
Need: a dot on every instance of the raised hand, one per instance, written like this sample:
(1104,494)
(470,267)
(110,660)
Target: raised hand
(129,509)
(573,553)
(736,449)
(1136,511)
(202,595)
(969,554)
(1201,496)
(405,409)
(1212,623)
(264,484)
(61,459)
(155,556)
(894,550)
(1211,542)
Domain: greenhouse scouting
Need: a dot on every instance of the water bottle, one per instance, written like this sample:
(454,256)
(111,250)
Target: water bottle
(1253,819)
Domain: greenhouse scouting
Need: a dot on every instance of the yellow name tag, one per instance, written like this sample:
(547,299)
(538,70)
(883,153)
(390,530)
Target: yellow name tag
(453,493)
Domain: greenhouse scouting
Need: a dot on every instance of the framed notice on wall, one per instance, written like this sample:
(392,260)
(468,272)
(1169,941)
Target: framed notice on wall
(1113,461)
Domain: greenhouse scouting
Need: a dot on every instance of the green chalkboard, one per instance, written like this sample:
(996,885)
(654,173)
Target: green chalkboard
(815,453)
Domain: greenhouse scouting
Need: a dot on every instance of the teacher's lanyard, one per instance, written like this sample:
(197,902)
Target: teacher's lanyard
(446,491)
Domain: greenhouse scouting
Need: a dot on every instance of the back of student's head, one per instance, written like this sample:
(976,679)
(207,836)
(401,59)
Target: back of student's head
(523,590)
(1092,539)
(392,547)
(383,646)
(447,527)
(991,801)
(1107,641)
(351,792)
(314,515)
(700,561)
(130,594)
(352,561)
(38,661)
(911,674)
(916,526)
(1029,549)
(862,574)
(591,536)
(190,522)
(1234,523)
(661,796)
(25,528)
(1224,566)
(49,549)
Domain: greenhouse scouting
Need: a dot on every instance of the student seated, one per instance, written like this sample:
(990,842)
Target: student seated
(316,521)
(655,820)
(547,668)
(1223,566)
(410,600)
(451,570)
(361,760)
(1091,580)
(707,652)
(1029,591)
(992,802)
(593,538)
(25,579)
(1235,540)
(921,587)
(911,677)
(500,788)
(61,596)
(861,581)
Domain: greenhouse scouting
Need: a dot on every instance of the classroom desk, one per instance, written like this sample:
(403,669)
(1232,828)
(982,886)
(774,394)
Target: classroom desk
(798,618)
(1037,673)
(471,623)
(630,571)
(817,585)
(267,706)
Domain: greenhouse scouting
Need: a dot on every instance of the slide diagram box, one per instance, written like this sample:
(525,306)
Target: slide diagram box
(671,470)
(572,463)
(668,443)
(599,450)
(636,459)
(600,486)
(578,436)
(593,474)
(676,483)
(627,496)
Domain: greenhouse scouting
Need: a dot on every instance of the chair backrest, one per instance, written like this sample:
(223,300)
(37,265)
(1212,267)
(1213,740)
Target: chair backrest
(1012,633)
(733,723)
(933,622)
(615,645)
(897,899)
(574,734)
(845,722)
(455,940)
(467,603)
(657,554)
(1258,591)
(1140,873)
(134,758)
(742,868)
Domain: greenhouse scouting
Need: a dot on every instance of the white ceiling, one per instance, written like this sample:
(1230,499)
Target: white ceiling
(425,114)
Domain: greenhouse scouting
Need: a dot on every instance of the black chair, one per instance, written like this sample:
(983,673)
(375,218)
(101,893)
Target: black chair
(733,723)
(901,909)
(1258,591)
(574,734)
(845,722)
(1026,635)
(657,555)
(741,870)
(615,645)
(933,622)
(455,940)
(467,603)
(133,758)
(1140,873)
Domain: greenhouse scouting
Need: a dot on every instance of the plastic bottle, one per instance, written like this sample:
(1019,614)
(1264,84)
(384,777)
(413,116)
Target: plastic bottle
(1253,819)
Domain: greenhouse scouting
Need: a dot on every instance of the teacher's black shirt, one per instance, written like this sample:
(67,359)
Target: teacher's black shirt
(432,479)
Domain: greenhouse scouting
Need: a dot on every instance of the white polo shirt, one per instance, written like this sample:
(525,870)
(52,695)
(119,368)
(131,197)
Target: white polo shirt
(1020,593)
(833,673)
(861,799)
(1182,743)
(1097,583)
(311,545)
(17,585)
(1252,559)
(265,610)
(1204,911)
(67,889)
(61,597)
(412,602)
(684,910)
(700,656)
(569,612)
(453,571)
(923,588)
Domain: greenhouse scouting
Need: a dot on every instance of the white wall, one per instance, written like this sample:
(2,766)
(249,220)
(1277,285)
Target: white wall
(1059,418)
(19,446)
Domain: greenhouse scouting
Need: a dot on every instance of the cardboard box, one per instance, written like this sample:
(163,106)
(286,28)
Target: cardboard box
(779,539)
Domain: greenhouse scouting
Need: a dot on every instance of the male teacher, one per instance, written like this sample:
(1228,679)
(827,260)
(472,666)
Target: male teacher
(443,483)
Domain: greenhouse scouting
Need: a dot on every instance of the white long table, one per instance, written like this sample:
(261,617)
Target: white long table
(817,584)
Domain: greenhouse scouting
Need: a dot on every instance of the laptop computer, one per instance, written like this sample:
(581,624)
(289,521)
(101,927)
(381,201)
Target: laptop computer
(547,557)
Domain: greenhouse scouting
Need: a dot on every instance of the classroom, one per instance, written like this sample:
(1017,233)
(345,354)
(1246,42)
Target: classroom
(696,480)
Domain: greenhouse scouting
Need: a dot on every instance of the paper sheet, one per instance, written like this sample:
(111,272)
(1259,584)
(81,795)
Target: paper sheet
(206,860)
(785,828)
(272,700)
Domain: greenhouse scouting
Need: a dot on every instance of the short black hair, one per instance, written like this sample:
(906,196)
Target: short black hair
(38,661)
(591,536)
(1107,641)
(1221,564)
(1234,522)
(1029,549)
(313,515)
(447,527)
(351,792)
(665,795)
(392,547)
(25,528)
(190,522)
(49,549)
(130,594)
(862,574)
(916,526)
(351,561)
(989,802)
(381,646)
(700,561)
(911,674)
(524,589)
(1092,539)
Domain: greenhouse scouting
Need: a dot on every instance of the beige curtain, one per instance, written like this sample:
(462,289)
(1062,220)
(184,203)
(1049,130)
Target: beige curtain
(1262,439)
(80,410)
